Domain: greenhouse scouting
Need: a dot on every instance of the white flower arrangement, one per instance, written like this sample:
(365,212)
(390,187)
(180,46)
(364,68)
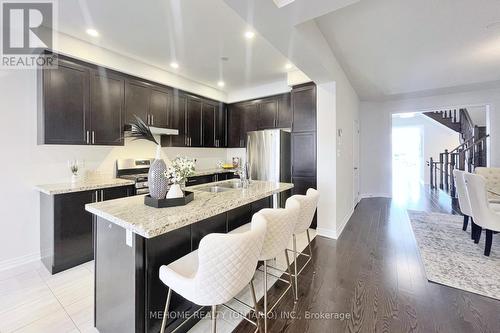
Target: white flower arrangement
(180,169)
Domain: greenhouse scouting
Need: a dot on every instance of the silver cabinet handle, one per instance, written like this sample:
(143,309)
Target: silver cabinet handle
(152,119)
(149,117)
(88,137)
(93,137)
(102,195)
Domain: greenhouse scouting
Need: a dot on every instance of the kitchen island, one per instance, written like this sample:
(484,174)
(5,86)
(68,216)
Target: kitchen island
(133,240)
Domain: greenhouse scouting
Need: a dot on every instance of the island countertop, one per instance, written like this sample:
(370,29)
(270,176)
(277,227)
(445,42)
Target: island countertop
(131,213)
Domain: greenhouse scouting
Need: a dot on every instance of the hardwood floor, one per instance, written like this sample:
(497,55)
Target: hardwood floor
(372,276)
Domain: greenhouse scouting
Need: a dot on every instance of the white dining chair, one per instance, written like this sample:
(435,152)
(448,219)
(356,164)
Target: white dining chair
(484,216)
(215,273)
(308,204)
(280,226)
(463,201)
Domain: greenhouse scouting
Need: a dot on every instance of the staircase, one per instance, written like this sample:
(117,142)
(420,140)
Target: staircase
(471,152)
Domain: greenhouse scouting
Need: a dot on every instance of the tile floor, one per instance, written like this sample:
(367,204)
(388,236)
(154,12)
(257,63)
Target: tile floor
(33,300)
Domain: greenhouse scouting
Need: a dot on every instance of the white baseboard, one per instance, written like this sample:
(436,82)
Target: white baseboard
(344,222)
(328,233)
(19,261)
(375,195)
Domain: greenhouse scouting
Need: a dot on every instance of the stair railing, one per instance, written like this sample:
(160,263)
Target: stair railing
(466,156)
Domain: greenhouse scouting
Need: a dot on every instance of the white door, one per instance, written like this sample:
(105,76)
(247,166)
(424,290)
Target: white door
(355,161)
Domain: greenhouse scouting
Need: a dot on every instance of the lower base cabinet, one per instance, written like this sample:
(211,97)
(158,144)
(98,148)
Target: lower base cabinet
(66,227)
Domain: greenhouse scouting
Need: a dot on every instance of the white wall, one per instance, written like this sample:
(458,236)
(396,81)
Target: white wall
(375,122)
(435,136)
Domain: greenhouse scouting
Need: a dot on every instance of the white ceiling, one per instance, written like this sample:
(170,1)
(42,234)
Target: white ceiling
(391,48)
(194,33)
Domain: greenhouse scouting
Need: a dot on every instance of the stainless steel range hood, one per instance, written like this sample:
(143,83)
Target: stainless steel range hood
(163,131)
(156,130)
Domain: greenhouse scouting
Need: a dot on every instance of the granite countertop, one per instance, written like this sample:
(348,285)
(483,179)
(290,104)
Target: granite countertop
(84,185)
(212,171)
(131,213)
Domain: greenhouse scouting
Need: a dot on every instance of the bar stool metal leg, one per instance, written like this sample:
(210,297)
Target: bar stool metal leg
(289,270)
(165,313)
(295,267)
(214,318)
(257,313)
(265,296)
(310,250)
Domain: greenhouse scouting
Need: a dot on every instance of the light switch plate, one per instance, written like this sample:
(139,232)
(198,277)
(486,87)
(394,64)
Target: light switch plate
(128,237)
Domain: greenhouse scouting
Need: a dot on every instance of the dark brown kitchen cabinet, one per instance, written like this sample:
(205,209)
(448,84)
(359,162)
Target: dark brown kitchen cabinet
(243,118)
(304,154)
(152,103)
(193,122)
(304,108)
(284,111)
(66,228)
(80,104)
(209,124)
(234,127)
(137,96)
(160,107)
(220,126)
(267,113)
(178,122)
(106,109)
(63,104)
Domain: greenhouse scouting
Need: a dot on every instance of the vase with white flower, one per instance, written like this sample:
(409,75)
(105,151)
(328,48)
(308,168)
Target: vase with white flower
(177,173)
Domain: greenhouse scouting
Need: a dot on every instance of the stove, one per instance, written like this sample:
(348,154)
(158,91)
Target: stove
(136,170)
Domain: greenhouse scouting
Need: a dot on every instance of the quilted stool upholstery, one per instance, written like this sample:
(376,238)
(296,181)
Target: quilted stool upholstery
(492,177)
(308,204)
(221,267)
(280,226)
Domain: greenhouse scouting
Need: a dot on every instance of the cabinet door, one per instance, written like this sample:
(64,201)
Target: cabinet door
(234,127)
(284,112)
(106,108)
(208,121)
(214,224)
(250,122)
(238,217)
(268,113)
(73,243)
(198,180)
(304,154)
(118,192)
(304,108)
(160,107)
(137,96)
(65,95)
(193,114)
(178,121)
(220,125)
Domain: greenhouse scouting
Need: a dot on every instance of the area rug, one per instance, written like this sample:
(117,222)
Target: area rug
(451,258)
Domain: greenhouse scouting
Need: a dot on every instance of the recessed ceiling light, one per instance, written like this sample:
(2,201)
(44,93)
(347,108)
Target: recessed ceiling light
(249,34)
(221,84)
(288,65)
(174,65)
(92,32)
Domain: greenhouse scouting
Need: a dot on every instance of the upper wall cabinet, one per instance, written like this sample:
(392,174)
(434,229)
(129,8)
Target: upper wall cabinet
(152,103)
(267,113)
(193,121)
(106,109)
(304,108)
(63,104)
(80,105)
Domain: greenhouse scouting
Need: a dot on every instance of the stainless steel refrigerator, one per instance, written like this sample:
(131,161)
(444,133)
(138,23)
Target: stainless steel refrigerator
(269,158)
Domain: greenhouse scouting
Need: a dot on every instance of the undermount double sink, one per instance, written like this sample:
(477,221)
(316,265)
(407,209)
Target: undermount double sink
(223,187)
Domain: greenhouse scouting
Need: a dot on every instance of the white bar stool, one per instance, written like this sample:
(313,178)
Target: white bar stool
(215,273)
(280,225)
(308,204)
